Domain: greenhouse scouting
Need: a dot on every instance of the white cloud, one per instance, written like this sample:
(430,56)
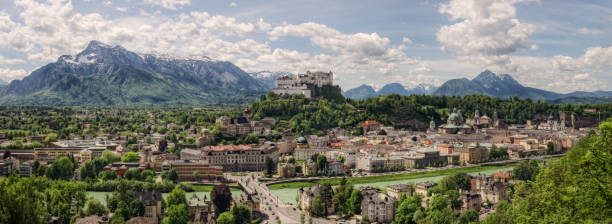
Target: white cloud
(222,24)
(262,25)
(593,58)
(487,30)
(10,61)
(9,74)
(233,4)
(359,51)
(581,76)
(121,9)
(169,4)
(49,29)
(587,31)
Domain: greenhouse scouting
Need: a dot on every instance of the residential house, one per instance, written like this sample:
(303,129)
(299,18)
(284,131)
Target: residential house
(152,202)
(377,206)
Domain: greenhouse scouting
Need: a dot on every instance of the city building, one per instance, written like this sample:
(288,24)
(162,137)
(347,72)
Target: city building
(286,170)
(56,152)
(470,201)
(200,209)
(194,170)
(25,169)
(398,190)
(492,188)
(152,202)
(370,125)
(335,168)
(421,188)
(250,200)
(306,196)
(303,153)
(377,206)
(474,154)
(239,158)
(455,124)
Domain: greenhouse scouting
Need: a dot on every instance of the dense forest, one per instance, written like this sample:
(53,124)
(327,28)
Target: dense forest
(414,112)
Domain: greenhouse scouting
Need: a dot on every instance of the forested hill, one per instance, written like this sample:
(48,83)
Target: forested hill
(411,112)
(575,189)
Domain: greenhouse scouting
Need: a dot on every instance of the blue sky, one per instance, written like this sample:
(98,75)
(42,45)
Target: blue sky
(556,45)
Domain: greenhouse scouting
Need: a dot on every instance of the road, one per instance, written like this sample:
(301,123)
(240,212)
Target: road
(276,209)
(271,205)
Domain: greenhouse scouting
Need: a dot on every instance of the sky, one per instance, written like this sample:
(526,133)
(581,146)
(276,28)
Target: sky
(556,45)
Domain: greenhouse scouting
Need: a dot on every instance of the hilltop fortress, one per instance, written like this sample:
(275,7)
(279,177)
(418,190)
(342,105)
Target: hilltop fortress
(303,83)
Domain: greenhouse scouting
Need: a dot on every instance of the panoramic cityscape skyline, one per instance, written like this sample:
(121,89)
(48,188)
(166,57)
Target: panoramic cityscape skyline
(364,43)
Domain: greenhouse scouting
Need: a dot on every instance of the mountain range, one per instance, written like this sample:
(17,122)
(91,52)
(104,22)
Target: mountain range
(365,91)
(107,75)
(504,86)
(104,75)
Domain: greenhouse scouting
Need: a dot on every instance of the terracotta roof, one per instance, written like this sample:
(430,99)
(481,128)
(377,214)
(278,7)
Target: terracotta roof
(370,122)
(501,175)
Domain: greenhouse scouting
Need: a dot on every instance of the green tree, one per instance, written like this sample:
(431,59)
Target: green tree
(20,200)
(225,218)
(270,168)
(526,170)
(123,210)
(88,170)
(241,214)
(322,164)
(51,137)
(137,208)
(176,197)
(406,208)
(110,156)
(221,196)
(327,196)
(95,207)
(196,175)
(318,207)
(173,175)
(177,214)
(468,216)
(107,175)
(132,174)
(62,169)
(130,157)
(355,201)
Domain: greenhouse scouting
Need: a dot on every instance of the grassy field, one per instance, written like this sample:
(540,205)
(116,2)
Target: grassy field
(391,177)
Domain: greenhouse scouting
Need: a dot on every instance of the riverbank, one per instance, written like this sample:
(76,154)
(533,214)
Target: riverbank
(392,177)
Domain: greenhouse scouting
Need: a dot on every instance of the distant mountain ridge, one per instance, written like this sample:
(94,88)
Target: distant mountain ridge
(504,86)
(268,78)
(365,91)
(111,75)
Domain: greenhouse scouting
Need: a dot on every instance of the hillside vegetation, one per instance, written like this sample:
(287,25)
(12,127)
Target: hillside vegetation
(312,116)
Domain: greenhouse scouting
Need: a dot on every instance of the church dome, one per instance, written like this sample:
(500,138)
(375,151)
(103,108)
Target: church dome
(301,140)
(454,117)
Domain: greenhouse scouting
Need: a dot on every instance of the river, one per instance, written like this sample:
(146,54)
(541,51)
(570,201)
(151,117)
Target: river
(289,195)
